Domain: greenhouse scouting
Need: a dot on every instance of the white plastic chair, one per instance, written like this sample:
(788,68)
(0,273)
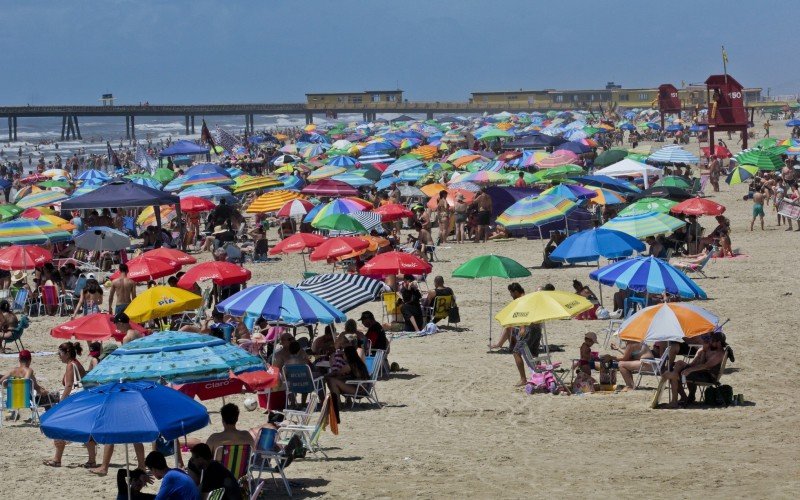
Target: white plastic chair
(652,366)
(366,388)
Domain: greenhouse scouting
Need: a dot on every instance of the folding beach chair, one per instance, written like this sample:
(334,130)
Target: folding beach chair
(715,382)
(366,388)
(235,458)
(391,308)
(21,300)
(440,309)
(16,334)
(300,380)
(17,395)
(653,367)
(309,434)
(696,268)
(267,457)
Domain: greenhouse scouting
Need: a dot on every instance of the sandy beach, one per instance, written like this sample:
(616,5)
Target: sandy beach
(454,425)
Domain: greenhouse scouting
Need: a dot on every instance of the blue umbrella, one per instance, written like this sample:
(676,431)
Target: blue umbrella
(401,165)
(342,161)
(794,122)
(627,126)
(575,147)
(590,245)
(674,128)
(377,147)
(146,181)
(179,357)
(648,275)
(93,175)
(206,168)
(353,179)
(205,191)
(124,412)
(291,182)
(280,302)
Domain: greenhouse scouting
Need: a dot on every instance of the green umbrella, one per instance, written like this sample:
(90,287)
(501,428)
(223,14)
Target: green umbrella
(163,175)
(490,266)
(740,174)
(763,159)
(674,181)
(340,222)
(54,184)
(9,211)
(610,157)
(512,176)
(560,171)
(494,134)
(645,205)
(590,131)
(767,142)
(637,157)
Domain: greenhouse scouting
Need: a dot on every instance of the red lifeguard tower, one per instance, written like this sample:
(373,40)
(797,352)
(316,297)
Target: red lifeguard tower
(726,111)
(669,102)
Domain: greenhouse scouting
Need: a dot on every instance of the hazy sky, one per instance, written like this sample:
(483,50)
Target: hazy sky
(202,51)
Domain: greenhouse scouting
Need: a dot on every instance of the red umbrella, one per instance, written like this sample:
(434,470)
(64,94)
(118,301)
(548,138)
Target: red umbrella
(719,151)
(297,243)
(21,257)
(337,247)
(144,268)
(221,273)
(509,155)
(330,187)
(34,178)
(393,211)
(171,254)
(698,206)
(97,326)
(196,204)
(295,207)
(244,382)
(395,263)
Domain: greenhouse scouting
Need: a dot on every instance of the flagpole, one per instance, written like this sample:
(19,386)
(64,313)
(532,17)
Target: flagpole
(725,64)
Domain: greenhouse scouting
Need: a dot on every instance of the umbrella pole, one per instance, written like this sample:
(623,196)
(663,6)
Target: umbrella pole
(490,311)
(600,286)
(303,254)
(128,469)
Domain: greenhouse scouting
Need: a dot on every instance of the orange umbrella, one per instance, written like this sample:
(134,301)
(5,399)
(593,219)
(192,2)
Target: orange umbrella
(432,190)
(668,322)
(460,162)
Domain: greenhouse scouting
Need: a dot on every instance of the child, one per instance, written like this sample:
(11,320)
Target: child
(758,209)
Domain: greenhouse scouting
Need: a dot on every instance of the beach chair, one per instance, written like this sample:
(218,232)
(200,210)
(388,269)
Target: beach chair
(542,363)
(18,394)
(196,315)
(300,417)
(235,458)
(653,367)
(633,304)
(21,301)
(300,380)
(266,458)
(695,268)
(715,382)
(16,335)
(391,308)
(48,300)
(611,330)
(440,309)
(308,434)
(366,388)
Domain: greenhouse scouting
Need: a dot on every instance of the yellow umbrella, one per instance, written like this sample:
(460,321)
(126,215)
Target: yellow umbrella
(286,169)
(255,183)
(148,217)
(58,222)
(542,306)
(432,190)
(272,201)
(161,301)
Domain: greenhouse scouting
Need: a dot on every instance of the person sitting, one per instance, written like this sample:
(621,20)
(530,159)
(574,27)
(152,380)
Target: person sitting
(704,367)
(139,479)
(229,435)
(585,291)
(323,345)
(209,474)
(375,333)
(439,290)
(585,361)
(24,371)
(690,261)
(411,307)
(631,361)
(656,249)
(175,483)
(555,239)
(354,369)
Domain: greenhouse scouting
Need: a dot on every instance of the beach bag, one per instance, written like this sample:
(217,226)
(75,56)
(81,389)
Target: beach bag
(602,313)
(77,384)
(718,396)
(454,315)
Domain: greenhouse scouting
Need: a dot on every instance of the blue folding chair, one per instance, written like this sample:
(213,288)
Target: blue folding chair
(300,380)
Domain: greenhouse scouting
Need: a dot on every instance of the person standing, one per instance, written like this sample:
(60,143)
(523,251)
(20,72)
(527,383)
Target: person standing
(484,205)
(124,289)
(443,212)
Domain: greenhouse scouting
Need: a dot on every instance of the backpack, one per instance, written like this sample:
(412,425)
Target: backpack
(718,396)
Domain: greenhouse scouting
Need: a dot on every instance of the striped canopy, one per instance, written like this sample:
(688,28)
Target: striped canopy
(532,211)
(648,275)
(31,231)
(281,302)
(343,291)
(93,175)
(642,225)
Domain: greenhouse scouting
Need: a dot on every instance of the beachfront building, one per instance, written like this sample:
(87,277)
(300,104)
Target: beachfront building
(367,96)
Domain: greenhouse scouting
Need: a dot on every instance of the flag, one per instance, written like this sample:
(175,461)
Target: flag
(205,136)
(113,159)
(226,140)
(144,160)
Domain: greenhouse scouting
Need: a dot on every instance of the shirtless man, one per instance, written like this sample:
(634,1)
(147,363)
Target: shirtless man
(24,370)
(123,288)
(758,209)
(230,434)
(703,368)
(484,204)
(123,324)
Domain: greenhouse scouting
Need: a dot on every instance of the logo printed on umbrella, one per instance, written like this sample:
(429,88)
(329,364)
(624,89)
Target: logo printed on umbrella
(519,314)
(166,300)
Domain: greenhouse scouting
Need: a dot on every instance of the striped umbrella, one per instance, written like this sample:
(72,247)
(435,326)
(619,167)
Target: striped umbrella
(642,225)
(147,181)
(295,208)
(343,161)
(248,184)
(532,211)
(31,231)
(41,198)
(93,175)
(606,196)
(648,205)
(205,191)
(210,177)
(648,275)
(671,155)
(369,220)
(9,211)
(148,218)
(282,303)
(762,159)
(669,322)
(353,179)
(340,206)
(561,157)
(343,291)
(325,172)
(273,201)
(479,177)
(741,173)
(572,192)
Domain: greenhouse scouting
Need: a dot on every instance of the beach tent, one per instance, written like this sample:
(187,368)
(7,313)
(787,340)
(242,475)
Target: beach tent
(183,148)
(628,167)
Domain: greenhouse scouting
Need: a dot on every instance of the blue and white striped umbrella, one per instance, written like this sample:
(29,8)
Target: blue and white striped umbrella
(648,275)
(370,220)
(93,175)
(205,191)
(368,159)
(281,302)
(401,165)
(352,179)
(672,154)
(343,291)
(343,161)
(146,181)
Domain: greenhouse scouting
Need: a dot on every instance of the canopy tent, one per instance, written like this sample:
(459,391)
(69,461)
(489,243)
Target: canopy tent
(628,167)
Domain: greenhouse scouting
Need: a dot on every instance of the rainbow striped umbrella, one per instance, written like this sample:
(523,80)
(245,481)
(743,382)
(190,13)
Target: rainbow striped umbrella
(148,216)
(572,192)
(41,198)
(206,177)
(535,210)
(340,206)
(25,191)
(642,225)
(560,157)
(273,201)
(31,231)
(479,177)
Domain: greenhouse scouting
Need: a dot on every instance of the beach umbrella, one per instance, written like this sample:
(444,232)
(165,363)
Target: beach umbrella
(195,204)
(282,303)
(343,291)
(21,231)
(794,122)
(480,177)
(93,175)
(54,184)
(541,306)
(177,357)
(591,244)
(610,157)
(532,211)
(23,257)
(163,175)
(741,173)
(339,222)
(325,172)
(273,201)
(572,192)
(669,322)
(255,183)
(93,327)
(148,217)
(668,192)
(178,256)
(395,263)
(491,266)
(25,191)
(285,159)
(392,212)
(647,205)
(214,177)
(673,155)
(698,206)
(560,172)
(295,208)
(145,181)
(41,198)
(333,248)
(160,301)
(297,243)
(353,179)
(674,181)
(56,221)
(648,275)
(144,268)
(330,187)
(56,173)
(338,207)
(642,225)
(604,196)
(763,159)
(208,191)
(557,159)
(9,211)
(102,238)
(32,179)
(220,273)
(342,161)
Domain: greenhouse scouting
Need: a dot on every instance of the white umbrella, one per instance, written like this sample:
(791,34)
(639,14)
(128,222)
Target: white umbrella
(102,238)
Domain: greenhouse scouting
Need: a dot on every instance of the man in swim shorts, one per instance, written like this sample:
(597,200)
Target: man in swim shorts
(758,209)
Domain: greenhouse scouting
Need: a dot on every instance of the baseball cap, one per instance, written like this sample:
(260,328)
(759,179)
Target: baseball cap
(25,355)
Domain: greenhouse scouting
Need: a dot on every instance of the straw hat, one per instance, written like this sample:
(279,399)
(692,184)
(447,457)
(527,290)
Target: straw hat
(18,276)
(219,229)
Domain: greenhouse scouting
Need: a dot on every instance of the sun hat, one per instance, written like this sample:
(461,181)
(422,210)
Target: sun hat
(18,275)
(591,336)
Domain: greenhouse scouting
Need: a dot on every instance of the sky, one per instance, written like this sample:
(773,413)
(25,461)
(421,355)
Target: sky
(260,51)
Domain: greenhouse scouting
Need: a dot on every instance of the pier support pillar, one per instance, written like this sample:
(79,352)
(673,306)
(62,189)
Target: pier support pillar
(70,129)
(429,115)
(10,134)
(77,128)
(128,127)
(187,124)
(192,124)
(133,127)
(309,118)
(15,128)
(252,124)
(63,126)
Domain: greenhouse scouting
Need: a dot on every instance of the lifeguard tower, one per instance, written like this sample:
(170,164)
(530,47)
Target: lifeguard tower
(726,111)
(107,99)
(669,103)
